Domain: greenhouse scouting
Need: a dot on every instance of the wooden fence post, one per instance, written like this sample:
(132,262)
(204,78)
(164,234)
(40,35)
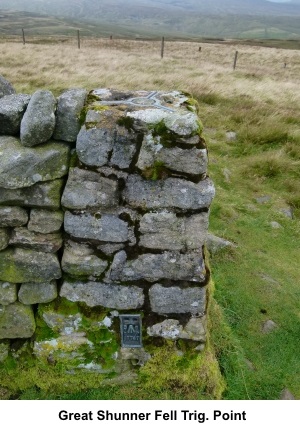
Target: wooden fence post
(162,47)
(23,35)
(78,38)
(235,60)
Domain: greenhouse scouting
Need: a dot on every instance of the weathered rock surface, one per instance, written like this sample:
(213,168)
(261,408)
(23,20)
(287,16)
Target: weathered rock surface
(11,216)
(25,238)
(110,248)
(62,349)
(100,294)
(4,238)
(176,300)
(43,195)
(190,161)
(180,123)
(25,265)
(195,330)
(171,193)
(8,293)
(6,87)
(22,167)
(89,190)
(168,329)
(163,230)
(45,221)
(16,321)
(108,228)
(268,326)
(288,212)
(69,106)
(43,292)
(152,267)
(79,260)
(94,145)
(286,395)
(12,109)
(124,148)
(38,122)
(61,323)
(275,225)
(215,243)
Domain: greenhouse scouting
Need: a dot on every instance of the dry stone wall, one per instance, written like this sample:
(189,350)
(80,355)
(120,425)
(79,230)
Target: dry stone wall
(104,207)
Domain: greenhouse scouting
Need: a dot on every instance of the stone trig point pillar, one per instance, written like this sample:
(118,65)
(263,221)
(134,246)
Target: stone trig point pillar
(126,270)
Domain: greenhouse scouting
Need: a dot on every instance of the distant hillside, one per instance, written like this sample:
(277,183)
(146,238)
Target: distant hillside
(182,18)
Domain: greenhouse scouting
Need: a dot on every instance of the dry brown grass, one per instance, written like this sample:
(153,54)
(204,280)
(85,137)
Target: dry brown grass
(137,65)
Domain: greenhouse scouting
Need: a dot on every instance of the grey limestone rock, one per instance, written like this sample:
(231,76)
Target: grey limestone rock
(12,109)
(124,148)
(286,395)
(163,230)
(45,221)
(11,216)
(288,212)
(275,225)
(4,238)
(62,348)
(107,228)
(168,329)
(190,161)
(94,145)
(69,106)
(22,167)
(215,243)
(100,294)
(268,326)
(45,195)
(89,190)
(42,292)
(6,87)
(19,265)
(231,136)
(171,193)
(16,321)
(62,323)
(195,329)
(79,260)
(110,248)
(152,267)
(8,293)
(171,329)
(176,300)
(38,122)
(181,122)
(25,238)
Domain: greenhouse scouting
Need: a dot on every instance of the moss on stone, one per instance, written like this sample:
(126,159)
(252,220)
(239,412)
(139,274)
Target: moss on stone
(126,121)
(155,172)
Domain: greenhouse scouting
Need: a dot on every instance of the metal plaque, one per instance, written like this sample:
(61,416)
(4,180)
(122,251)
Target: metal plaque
(131,331)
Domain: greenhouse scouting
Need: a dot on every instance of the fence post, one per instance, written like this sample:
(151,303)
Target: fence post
(162,47)
(78,38)
(235,60)
(23,35)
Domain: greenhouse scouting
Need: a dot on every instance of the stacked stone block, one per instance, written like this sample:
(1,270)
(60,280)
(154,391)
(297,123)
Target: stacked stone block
(33,170)
(134,202)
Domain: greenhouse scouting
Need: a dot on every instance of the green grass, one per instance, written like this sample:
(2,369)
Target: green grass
(258,280)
